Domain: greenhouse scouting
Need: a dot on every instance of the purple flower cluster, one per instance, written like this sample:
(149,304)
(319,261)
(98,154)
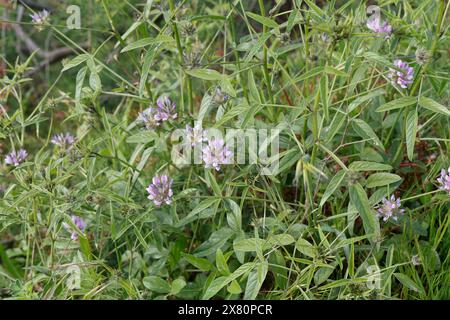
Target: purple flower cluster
(195,136)
(216,153)
(166,109)
(379,27)
(390,209)
(153,117)
(402,78)
(79,223)
(147,118)
(40,17)
(15,158)
(160,190)
(444,180)
(64,141)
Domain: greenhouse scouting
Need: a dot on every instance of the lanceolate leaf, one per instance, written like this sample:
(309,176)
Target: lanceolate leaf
(206,74)
(220,282)
(146,42)
(434,106)
(76,61)
(263,20)
(382,179)
(255,281)
(411,132)
(368,166)
(156,284)
(199,210)
(358,198)
(397,104)
(366,132)
(332,186)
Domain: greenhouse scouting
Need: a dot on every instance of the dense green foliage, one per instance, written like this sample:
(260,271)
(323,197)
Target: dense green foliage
(349,137)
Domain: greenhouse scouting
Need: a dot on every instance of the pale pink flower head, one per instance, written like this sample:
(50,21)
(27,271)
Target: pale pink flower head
(147,118)
(64,141)
(14,158)
(40,18)
(390,208)
(404,77)
(444,181)
(216,153)
(379,27)
(160,190)
(79,223)
(195,136)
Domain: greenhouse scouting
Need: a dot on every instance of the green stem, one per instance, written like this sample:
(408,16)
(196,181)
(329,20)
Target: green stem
(437,35)
(180,55)
(265,58)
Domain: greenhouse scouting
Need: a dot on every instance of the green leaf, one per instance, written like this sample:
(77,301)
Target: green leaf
(206,74)
(377,58)
(358,198)
(221,263)
(368,166)
(212,183)
(332,186)
(234,216)
(306,248)
(252,244)
(366,132)
(156,284)
(360,100)
(76,61)
(382,179)
(198,210)
(204,107)
(278,240)
(316,9)
(142,137)
(291,20)
(9,264)
(220,282)
(411,132)
(263,20)
(146,42)
(78,87)
(407,282)
(334,71)
(434,106)
(85,247)
(311,73)
(215,241)
(255,281)
(397,104)
(177,286)
(226,86)
(131,29)
(200,263)
(323,274)
(148,58)
(95,82)
(249,245)
(234,287)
